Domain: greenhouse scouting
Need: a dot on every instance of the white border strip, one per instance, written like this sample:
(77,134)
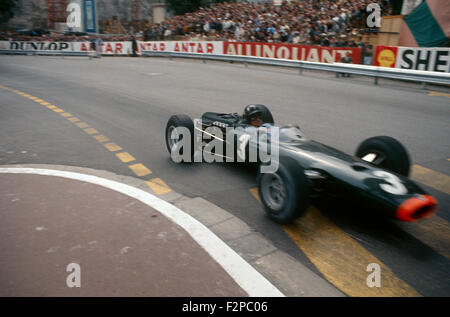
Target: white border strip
(242,272)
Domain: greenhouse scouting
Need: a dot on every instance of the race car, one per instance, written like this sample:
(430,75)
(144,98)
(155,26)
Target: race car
(376,175)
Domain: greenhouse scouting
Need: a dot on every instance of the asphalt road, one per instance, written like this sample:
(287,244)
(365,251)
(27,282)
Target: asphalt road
(130,99)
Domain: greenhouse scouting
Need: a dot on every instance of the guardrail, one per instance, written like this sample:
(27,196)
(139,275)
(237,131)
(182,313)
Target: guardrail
(424,77)
(48,53)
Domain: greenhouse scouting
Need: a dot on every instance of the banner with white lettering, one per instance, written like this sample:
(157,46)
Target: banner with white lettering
(200,47)
(106,48)
(436,59)
(293,51)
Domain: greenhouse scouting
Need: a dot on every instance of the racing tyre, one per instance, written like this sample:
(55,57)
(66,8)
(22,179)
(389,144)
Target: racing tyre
(266,115)
(173,137)
(385,152)
(285,193)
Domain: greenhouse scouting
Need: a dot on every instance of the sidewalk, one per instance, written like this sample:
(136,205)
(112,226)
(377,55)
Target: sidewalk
(124,246)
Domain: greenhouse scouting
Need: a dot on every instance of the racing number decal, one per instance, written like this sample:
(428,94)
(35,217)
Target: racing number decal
(243,140)
(394,185)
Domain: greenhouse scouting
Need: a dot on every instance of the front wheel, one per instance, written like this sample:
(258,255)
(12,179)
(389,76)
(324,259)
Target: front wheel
(385,152)
(285,193)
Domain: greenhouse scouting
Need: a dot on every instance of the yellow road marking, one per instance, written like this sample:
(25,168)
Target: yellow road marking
(113,147)
(39,100)
(431,178)
(101,138)
(73,119)
(342,260)
(140,169)
(66,114)
(45,103)
(90,131)
(255,193)
(125,157)
(82,125)
(33,98)
(52,107)
(58,110)
(436,93)
(434,232)
(158,186)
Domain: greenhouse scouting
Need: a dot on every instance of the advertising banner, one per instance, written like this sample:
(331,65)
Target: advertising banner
(292,51)
(436,59)
(106,48)
(201,47)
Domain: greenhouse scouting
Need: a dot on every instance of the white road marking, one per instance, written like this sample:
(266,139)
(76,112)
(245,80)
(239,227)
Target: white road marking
(249,279)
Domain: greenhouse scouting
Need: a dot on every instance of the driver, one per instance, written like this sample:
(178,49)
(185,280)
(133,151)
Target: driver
(253,116)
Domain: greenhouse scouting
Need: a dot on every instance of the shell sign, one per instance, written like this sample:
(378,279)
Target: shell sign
(385,56)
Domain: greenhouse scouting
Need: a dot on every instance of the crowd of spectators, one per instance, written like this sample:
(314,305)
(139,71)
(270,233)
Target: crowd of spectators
(338,23)
(314,22)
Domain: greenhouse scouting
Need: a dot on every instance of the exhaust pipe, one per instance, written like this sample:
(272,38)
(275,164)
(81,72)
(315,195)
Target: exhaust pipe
(419,207)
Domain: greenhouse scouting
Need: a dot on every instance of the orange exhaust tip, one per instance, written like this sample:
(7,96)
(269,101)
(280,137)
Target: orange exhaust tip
(413,209)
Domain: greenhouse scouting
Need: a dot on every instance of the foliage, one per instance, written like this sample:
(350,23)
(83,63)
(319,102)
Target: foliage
(7,10)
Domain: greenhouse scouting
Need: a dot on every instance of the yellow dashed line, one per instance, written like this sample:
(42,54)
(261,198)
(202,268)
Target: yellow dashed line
(342,260)
(255,193)
(90,131)
(125,157)
(431,178)
(82,125)
(101,138)
(140,169)
(441,94)
(434,232)
(73,119)
(113,147)
(158,186)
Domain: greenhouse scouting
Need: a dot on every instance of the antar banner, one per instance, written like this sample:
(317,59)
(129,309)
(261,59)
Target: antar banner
(199,47)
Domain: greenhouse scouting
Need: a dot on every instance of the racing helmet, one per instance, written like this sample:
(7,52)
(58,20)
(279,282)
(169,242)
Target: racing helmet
(250,112)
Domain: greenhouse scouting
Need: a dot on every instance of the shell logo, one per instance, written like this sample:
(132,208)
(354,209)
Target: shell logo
(386,58)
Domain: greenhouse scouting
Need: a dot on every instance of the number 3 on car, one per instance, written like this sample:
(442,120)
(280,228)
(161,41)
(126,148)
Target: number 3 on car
(394,185)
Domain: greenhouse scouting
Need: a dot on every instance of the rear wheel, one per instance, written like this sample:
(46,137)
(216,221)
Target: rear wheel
(284,193)
(175,135)
(385,152)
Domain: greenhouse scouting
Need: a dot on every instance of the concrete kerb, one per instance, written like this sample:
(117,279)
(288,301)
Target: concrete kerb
(292,278)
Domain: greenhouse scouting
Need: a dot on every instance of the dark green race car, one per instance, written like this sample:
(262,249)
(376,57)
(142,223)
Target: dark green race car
(377,174)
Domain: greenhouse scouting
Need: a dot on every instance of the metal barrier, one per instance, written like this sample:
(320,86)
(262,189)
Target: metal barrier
(48,53)
(424,77)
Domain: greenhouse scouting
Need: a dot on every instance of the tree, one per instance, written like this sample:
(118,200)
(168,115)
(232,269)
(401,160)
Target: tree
(184,6)
(7,10)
